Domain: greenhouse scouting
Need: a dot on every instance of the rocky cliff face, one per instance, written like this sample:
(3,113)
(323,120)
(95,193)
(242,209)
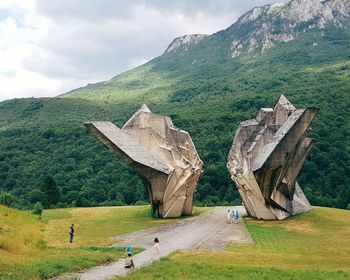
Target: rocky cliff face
(262,28)
(184,42)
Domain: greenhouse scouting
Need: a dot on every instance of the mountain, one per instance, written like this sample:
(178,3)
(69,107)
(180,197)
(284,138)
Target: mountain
(263,27)
(310,27)
(184,42)
(207,84)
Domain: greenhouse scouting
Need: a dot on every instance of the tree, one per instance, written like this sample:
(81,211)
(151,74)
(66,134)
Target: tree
(52,193)
(35,195)
(9,200)
(38,209)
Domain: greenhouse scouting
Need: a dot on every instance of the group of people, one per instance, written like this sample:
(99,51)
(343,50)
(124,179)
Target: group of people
(232,216)
(129,263)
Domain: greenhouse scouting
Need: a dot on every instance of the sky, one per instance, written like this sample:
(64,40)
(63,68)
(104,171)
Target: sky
(49,47)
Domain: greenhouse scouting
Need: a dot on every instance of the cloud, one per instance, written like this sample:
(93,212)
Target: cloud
(110,9)
(48,47)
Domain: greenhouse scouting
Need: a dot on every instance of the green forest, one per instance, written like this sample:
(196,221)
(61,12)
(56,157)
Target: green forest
(47,155)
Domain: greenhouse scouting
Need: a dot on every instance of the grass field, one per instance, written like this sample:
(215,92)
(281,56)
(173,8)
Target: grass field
(314,245)
(37,249)
(95,226)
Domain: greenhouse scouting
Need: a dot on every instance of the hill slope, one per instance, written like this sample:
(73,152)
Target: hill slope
(25,255)
(31,248)
(207,89)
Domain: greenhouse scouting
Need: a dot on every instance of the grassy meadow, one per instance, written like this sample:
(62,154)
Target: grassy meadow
(38,249)
(314,245)
(94,226)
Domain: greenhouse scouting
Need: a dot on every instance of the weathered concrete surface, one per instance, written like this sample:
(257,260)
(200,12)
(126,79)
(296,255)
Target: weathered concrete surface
(161,154)
(208,231)
(266,157)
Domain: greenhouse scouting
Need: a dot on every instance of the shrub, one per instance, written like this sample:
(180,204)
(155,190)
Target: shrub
(38,209)
(9,200)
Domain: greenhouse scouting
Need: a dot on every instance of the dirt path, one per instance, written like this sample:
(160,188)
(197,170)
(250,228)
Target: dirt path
(209,231)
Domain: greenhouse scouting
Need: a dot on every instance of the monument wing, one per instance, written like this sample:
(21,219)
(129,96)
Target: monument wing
(161,154)
(126,146)
(266,157)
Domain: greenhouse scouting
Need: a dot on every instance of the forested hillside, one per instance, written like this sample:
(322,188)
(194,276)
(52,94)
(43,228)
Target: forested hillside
(45,149)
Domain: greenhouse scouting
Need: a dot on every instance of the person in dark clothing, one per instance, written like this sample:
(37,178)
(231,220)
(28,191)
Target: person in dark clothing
(129,263)
(71,233)
(156,245)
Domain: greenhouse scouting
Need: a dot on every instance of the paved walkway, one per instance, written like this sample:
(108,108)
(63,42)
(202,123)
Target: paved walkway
(209,231)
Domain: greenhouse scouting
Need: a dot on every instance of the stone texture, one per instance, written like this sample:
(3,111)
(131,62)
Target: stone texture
(182,43)
(263,28)
(161,154)
(266,157)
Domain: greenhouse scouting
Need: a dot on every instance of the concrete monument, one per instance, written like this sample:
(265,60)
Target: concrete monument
(161,154)
(265,158)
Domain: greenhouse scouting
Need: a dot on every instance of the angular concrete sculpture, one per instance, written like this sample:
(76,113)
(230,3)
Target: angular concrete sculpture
(265,158)
(161,154)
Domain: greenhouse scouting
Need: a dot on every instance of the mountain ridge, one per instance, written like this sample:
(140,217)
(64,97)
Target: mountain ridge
(274,23)
(262,28)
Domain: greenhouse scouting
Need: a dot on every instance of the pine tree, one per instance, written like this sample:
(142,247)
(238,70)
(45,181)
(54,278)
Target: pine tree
(52,193)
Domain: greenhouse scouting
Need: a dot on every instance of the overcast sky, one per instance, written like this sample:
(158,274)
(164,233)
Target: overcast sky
(48,47)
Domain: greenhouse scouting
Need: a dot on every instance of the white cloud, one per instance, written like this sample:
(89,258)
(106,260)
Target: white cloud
(28,5)
(21,32)
(48,47)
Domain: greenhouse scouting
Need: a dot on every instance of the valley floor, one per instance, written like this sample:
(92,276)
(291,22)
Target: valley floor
(314,245)
(209,231)
(33,248)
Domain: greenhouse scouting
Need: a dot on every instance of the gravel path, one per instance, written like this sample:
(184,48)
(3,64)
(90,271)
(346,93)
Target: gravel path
(208,231)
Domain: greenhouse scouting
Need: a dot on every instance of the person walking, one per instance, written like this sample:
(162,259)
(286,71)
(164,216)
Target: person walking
(129,250)
(156,246)
(71,233)
(233,218)
(236,215)
(228,216)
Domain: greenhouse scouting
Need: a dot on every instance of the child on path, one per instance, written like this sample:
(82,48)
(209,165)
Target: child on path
(156,246)
(128,250)
(129,263)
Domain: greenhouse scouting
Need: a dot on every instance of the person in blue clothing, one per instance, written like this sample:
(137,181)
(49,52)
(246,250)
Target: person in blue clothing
(237,215)
(233,217)
(129,250)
